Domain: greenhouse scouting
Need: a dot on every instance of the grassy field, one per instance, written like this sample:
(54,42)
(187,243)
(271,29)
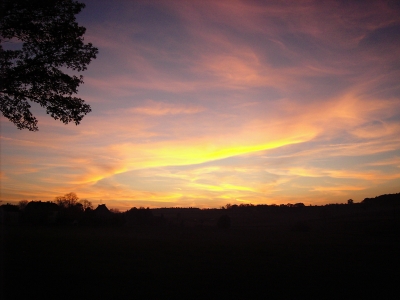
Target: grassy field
(126,263)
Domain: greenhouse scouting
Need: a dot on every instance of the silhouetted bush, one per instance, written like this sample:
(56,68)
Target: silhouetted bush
(9,214)
(10,207)
(383,200)
(40,213)
(139,217)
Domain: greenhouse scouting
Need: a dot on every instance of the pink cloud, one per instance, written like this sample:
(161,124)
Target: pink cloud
(155,108)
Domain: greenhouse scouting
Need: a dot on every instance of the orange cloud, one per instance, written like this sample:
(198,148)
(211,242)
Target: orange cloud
(277,88)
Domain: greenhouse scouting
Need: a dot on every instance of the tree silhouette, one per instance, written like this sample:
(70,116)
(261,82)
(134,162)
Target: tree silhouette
(38,212)
(22,204)
(49,41)
(67,201)
(86,204)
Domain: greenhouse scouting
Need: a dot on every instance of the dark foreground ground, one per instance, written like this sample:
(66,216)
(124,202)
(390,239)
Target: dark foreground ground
(319,262)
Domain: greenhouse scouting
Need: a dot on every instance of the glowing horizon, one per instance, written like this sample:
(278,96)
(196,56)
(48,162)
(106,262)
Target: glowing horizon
(204,103)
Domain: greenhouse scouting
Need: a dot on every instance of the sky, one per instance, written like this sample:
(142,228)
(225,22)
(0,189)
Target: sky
(204,103)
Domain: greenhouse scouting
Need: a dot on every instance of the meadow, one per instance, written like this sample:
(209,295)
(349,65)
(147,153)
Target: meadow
(348,257)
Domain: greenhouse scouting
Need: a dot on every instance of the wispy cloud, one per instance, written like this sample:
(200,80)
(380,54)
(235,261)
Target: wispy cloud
(155,108)
(209,102)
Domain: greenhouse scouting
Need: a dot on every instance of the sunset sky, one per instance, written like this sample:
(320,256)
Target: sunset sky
(204,103)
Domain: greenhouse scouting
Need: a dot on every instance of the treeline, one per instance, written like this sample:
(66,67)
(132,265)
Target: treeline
(383,200)
(64,210)
(70,210)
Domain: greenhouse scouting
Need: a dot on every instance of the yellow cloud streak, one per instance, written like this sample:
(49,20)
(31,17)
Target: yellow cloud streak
(221,188)
(338,188)
(363,175)
(189,152)
(180,153)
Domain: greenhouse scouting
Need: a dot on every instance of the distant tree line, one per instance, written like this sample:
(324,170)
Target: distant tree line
(70,210)
(249,205)
(383,200)
(64,210)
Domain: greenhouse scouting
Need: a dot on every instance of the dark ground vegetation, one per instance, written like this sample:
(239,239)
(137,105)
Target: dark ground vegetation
(348,251)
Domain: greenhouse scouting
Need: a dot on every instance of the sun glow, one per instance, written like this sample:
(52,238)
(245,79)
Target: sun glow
(223,101)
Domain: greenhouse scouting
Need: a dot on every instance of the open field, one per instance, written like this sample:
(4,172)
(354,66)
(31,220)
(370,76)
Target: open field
(328,261)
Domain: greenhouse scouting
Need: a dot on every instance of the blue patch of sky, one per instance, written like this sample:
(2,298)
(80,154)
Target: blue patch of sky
(323,87)
(273,54)
(304,46)
(382,39)
(101,11)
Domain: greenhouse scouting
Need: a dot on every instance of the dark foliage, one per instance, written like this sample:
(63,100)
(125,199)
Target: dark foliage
(39,213)
(9,214)
(139,217)
(10,207)
(70,214)
(67,201)
(39,205)
(51,41)
(383,200)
